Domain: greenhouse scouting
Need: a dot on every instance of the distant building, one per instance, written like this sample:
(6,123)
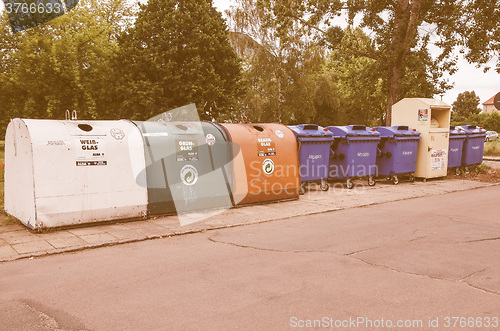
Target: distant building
(489,106)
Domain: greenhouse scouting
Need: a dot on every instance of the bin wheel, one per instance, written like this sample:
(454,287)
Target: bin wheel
(395,180)
(324,186)
(412,178)
(371,181)
(467,170)
(349,184)
(302,190)
(458,172)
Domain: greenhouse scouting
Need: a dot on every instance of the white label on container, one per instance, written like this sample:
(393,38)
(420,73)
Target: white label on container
(266,147)
(89,150)
(118,134)
(423,116)
(279,133)
(210,139)
(438,159)
(189,175)
(57,143)
(268,166)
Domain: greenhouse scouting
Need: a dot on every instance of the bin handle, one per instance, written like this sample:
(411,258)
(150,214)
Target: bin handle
(332,152)
(73,116)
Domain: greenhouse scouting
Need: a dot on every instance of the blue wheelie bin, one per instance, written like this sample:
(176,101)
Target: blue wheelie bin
(354,153)
(397,155)
(314,151)
(473,146)
(455,151)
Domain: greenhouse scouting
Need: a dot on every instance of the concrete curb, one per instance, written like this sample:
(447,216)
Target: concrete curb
(491,158)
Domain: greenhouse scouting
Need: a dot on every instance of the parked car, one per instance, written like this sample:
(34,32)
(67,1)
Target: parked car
(491,135)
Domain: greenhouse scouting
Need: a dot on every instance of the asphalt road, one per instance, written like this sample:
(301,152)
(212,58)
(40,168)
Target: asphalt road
(427,259)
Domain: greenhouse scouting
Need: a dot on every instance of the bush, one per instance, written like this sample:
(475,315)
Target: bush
(490,122)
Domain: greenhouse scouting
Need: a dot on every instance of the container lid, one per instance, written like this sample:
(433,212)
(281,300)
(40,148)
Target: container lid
(311,130)
(473,129)
(353,131)
(457,131)
(397,131)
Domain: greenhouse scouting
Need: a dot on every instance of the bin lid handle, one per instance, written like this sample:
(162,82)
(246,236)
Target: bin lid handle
(310,127)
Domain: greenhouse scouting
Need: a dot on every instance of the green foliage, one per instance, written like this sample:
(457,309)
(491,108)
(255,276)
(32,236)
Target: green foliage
(285,73)
(63,64)
(400,36)
(490,122)
(177,53)
(467,104)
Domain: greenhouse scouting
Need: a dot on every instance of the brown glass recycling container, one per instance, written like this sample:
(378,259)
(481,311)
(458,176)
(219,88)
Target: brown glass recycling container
(265,163)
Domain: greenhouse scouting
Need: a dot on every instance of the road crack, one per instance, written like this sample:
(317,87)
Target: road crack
(352,256)
(480,240)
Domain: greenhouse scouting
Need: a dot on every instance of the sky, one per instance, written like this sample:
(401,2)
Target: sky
(468,77)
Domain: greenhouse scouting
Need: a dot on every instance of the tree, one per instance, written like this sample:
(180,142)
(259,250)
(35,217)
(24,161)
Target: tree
(402,32)
(178,53)
(62,65)
(283,71)
(467,104)
(362,81)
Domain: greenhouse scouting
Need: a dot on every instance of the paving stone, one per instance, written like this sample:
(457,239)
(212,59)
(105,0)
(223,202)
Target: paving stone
(87,231)
(17,237)
(98,238)
(150,229)
(7,252)
(55,235)
(33,247)
(127,234)
(67,242)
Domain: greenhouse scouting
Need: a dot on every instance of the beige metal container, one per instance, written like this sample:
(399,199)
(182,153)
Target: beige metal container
(432,119)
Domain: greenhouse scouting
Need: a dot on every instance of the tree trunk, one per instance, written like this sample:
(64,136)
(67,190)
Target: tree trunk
(394,81)
(405,28)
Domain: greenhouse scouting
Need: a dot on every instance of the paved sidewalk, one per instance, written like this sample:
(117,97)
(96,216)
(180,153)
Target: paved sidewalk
(17,242)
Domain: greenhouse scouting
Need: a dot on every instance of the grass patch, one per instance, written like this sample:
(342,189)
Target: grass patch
(492,148)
